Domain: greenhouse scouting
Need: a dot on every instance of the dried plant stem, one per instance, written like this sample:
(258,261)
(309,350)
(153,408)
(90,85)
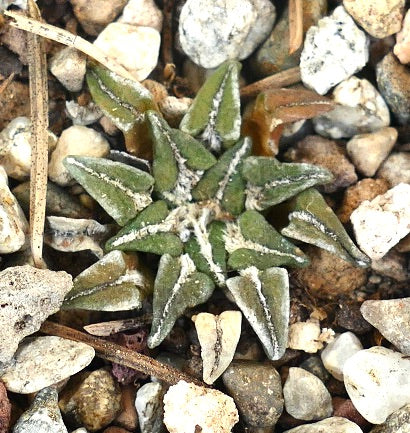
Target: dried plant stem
(104,329)
(167,35)
(295,25)
(120,355)
(281,79)
(37,66)
(64,37)
(6,82)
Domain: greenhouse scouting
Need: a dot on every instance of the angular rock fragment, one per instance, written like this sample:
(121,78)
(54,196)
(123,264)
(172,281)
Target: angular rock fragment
(43,361)
(188,407)
(392,318)
(27,297)
(150,408)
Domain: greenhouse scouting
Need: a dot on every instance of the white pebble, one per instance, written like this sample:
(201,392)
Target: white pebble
(75,140)
(142,13)
(378,382)
(15,145)
(83,114)
(13,223)
(334,424)
(189,408)
(212,31)
(148,403)
(334,50)
(359,109)
(338,352)
(68,66)
(381,223)
(134,48)
(306,396)
(307,336)
(43,361)
(368,151)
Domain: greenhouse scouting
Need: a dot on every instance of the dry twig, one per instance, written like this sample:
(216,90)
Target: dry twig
(6,82)
(37,66)
(121,355)
(64,37)
(281,79)
(295,25)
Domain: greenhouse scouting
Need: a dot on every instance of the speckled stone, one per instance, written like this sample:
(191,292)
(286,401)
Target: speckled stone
(27,297)
(91,399)
(257,390)
(326,153)
(212,31)
(393,80)
(43,361)
(392,318)
(380,18)
(396,168)
(43,415)
(321,66)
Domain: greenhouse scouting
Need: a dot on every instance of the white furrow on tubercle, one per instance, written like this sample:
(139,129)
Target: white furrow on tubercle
(209,134)
(202,237)
(187,268)
(141,200)
(252,273)
(234,240)
(187,178)
(232,168)
(311,219)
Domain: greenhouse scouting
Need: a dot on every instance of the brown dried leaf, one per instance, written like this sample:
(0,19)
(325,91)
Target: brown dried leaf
(265,119)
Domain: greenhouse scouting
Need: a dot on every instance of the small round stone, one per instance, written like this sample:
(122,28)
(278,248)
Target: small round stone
(134,48)
(323,67)
(190,408)
(75,140)
(212,31)
(368,151)
(44,361)
(68,66)
(338,351)
(306,397)
(92,400)
(257,390)
(380,18)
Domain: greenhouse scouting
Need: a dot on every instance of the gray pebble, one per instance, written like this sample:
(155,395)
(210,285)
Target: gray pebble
(314,365)
(212,31)
(257,391)
(150,407)
(68,66)
(27,297)
(306,397)
(392,318)
(43,415)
